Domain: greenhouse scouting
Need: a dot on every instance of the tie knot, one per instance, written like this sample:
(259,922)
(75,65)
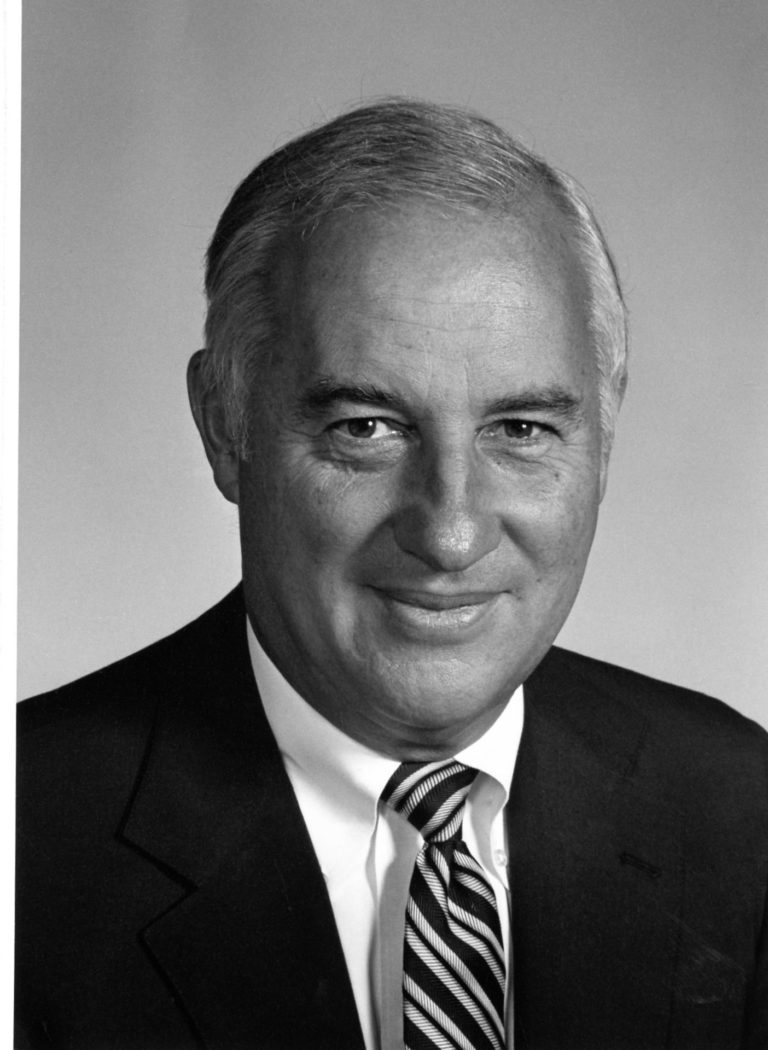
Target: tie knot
(431,795)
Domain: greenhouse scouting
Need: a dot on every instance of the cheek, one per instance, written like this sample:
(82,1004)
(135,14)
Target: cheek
(576,529)
(327,515)
(556,530)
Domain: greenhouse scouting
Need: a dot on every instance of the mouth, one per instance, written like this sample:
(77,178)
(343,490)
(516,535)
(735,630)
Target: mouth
(437,615)
(438,601)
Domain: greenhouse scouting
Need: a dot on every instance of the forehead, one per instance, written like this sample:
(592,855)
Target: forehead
(436,283)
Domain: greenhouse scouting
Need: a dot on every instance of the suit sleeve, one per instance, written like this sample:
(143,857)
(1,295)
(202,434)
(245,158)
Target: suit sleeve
(756,1031)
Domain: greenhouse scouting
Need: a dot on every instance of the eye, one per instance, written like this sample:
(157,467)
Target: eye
(522,429)
(366,428)
(518,438)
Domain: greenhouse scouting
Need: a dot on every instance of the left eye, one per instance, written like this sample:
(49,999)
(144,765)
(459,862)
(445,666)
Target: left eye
(521,429)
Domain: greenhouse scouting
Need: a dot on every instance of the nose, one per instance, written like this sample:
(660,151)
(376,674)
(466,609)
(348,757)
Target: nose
(447,517)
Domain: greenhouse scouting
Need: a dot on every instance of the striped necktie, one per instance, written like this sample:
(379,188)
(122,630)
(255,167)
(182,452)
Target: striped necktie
(453,958)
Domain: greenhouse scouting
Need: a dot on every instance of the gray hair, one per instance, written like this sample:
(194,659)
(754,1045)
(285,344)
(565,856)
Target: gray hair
(381,154)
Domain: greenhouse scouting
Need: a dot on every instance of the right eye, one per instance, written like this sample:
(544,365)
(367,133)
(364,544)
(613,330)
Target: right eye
(366,428)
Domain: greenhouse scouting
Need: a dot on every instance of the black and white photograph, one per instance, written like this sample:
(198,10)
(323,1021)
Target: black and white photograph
(392,526)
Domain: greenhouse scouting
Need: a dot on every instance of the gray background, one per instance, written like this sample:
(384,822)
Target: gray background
(138,121)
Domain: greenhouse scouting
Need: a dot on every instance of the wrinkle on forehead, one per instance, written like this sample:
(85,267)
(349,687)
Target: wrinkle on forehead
(445,314)
(403,281)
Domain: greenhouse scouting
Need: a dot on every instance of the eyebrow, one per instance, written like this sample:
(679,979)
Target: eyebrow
(553,400)
(326,393)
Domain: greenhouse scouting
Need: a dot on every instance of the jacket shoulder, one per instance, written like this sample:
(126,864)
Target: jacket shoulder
(693,743)
(88,738)
(122,690)
(652,697)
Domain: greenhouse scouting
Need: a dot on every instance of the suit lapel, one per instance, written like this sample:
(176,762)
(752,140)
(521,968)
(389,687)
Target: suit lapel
(596,872)
(249,950)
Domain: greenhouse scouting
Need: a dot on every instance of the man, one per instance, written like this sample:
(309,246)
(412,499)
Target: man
(363,802)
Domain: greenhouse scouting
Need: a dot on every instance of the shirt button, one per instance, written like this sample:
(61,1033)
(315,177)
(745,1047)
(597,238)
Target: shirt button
(500,857)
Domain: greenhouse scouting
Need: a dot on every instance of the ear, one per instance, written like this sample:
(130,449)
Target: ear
(210,418)
(606,438)
(606,442)
(603,476)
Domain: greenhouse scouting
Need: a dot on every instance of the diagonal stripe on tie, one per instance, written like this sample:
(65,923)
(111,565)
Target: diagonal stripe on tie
(452,971)
(453,959)
(430,1019)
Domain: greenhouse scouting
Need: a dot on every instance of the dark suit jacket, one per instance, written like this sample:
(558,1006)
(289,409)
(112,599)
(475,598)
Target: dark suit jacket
(168,895)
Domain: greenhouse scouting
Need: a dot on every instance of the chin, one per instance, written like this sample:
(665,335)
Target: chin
(434,696)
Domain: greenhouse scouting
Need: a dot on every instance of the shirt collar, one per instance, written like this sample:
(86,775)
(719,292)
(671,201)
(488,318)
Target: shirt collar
(338,781)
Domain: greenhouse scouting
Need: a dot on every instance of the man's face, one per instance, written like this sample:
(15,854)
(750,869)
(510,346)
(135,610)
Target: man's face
(424,471)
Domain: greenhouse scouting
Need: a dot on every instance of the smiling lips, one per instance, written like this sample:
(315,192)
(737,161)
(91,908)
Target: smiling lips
(437,601)
(435,614)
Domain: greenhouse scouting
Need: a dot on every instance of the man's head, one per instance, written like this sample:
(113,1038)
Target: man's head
(416,352)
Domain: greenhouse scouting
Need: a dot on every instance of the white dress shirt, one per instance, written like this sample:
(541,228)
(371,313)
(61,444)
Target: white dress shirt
(367,851)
